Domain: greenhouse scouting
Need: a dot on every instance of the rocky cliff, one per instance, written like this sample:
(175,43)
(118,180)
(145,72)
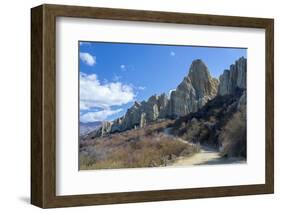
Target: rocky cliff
(220,123)
(234,77)
(142,113)
(196,89)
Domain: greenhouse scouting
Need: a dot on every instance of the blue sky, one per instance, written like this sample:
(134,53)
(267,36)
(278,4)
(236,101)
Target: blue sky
(114,75)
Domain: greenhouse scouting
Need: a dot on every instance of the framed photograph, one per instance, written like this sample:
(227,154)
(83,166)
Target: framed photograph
(136,106)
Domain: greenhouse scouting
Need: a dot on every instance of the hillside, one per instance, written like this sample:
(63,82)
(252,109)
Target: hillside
(221,123)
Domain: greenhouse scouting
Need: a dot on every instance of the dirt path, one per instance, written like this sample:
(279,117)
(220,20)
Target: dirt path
(206,156)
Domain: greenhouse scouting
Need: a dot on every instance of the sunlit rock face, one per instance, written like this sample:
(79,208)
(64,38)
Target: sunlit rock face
(194,91)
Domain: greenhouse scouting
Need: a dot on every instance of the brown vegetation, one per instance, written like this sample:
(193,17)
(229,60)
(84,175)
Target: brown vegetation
(234,136)
(206,125)
(220,124)
(144,147)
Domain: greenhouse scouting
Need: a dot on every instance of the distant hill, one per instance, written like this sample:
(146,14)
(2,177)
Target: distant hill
(86,128)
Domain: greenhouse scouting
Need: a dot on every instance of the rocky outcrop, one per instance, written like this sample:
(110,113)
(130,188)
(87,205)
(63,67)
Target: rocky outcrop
(105,129)
(233,78)
(142,113)
(221,123)
(163,103)
(194,91)
(201,80)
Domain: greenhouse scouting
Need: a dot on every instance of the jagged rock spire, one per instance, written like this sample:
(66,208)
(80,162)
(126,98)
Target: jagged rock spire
(194,91)
(234,77)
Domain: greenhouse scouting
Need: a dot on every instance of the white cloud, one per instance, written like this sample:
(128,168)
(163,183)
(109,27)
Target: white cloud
(94,94)
(172,53)
(98,116)
(123,67)
(87,58)
(141,88)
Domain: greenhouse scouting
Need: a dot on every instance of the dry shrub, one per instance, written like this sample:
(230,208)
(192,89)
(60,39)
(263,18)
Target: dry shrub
(134,149)
(234,136)
(192,131)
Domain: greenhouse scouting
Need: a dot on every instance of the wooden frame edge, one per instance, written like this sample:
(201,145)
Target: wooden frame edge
(43,105)
(36,106)
(269,118)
